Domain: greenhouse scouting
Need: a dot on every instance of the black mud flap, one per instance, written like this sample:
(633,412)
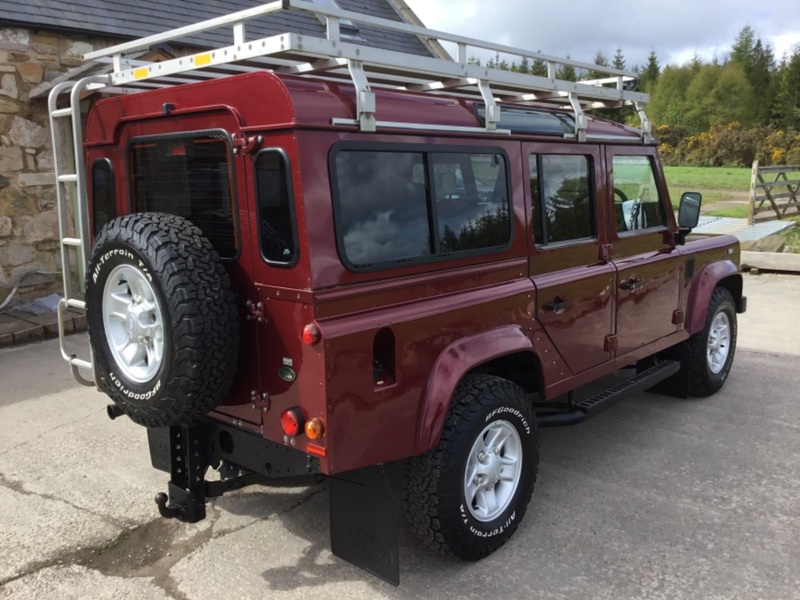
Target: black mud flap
(365,521)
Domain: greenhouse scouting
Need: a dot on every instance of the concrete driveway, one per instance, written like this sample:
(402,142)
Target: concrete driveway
(655,498)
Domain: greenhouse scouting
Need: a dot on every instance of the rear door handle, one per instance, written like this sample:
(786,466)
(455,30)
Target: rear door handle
(557,305)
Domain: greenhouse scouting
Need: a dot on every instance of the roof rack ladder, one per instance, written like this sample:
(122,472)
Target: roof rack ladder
(73,208)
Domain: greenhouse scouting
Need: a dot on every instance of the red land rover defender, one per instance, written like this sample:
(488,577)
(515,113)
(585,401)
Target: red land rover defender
(391,286)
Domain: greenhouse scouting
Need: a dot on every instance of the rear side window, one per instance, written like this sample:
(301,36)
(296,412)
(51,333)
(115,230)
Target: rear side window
(189,176)
(403,207)
(275,208)
(103,205)
(561,193)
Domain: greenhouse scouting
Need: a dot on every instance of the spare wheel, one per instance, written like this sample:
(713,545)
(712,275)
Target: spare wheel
(161,317)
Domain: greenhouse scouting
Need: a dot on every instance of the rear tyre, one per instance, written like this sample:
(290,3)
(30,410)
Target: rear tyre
(466,497)
(161,318)
(714,346)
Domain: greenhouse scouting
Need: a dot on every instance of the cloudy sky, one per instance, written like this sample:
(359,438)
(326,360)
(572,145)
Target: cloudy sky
(675,29)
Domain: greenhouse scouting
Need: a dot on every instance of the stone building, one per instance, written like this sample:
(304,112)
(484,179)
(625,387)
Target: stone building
(40,42)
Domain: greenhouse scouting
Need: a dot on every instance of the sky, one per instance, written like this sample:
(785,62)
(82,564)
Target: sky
(579,28)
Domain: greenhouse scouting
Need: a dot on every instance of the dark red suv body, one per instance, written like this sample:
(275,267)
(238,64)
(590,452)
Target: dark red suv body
(374,273)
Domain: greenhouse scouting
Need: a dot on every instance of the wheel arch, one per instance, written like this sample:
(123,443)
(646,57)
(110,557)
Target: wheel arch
(723,273)
(505,352)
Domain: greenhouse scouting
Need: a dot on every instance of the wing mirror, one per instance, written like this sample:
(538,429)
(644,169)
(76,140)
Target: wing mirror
(689,210)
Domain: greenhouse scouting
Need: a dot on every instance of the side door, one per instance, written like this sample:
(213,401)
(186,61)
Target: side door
(648,264)
(568,265)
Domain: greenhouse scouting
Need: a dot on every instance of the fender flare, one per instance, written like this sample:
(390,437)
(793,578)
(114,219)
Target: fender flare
(455,361)
(703,286)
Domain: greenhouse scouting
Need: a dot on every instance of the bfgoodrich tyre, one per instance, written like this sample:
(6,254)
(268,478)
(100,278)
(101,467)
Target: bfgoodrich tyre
(468,495)
(714,346)
(161,318)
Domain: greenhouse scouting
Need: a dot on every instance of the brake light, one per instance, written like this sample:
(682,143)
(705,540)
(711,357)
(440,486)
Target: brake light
(311,334)
(292,422)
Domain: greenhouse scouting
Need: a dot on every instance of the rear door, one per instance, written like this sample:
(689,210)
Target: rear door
(573,279)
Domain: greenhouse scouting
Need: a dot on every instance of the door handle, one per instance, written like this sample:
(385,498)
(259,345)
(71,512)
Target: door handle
(630,285)
(557,305)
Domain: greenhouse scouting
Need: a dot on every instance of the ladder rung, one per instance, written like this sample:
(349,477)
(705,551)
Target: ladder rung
(67,241)
(72,303)
(62,112)
(68,177)
(80,363)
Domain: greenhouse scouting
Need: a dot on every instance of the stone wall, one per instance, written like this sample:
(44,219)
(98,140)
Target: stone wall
(28,218)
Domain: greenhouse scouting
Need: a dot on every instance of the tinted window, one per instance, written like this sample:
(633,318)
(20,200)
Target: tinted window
(190,177)
(562,199)
(471,201)
(408,206)
(637,204)
(383,211)
(276,222)
(103,209)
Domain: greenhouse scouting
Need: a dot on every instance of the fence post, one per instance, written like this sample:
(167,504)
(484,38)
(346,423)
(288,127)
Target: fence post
(753,180)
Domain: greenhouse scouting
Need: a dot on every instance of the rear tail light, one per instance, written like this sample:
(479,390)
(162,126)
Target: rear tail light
(292,422)
(311,334)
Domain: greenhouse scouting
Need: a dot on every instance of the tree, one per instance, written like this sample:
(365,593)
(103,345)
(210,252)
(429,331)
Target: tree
(600,60)
(567,72)
(619,60)
(524,66)
(787,103)
(743,49)
(650,73)
(539,67)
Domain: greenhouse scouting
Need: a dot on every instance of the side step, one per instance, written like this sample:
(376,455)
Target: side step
(599,402)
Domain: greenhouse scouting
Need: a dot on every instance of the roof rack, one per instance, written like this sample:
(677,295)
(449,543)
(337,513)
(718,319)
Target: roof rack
(339,57)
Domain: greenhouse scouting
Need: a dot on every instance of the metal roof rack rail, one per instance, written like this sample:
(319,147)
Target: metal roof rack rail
(339,57)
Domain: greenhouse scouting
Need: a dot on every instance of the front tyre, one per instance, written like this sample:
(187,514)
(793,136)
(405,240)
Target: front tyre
(467,496)
(714,346)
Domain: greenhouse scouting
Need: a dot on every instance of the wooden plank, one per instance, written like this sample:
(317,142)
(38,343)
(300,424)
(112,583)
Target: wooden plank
(779,169)
(771,261)
(792,182)
(753,182)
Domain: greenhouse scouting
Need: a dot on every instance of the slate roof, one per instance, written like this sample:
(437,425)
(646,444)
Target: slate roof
(130,19)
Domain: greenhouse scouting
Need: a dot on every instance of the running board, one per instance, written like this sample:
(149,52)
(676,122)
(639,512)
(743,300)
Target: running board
(599,402)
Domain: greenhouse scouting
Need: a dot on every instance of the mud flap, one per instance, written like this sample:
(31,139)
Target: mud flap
(365,521)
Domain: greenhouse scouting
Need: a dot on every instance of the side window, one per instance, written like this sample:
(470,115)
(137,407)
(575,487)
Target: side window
(561,193)
(187,176)
(275,207)
(383,212)
(103,197)
(414,206)
(637,204)
(471,201)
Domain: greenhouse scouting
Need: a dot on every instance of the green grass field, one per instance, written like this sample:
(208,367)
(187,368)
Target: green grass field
(722,184)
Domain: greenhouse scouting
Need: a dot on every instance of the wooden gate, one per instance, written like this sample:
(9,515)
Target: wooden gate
(780,192)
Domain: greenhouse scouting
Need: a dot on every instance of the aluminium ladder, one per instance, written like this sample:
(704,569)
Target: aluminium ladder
(337,57)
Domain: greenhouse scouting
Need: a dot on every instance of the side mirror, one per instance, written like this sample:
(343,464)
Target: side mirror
(689,210)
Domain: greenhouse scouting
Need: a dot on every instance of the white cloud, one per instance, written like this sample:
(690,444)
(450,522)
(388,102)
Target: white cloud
(675,30)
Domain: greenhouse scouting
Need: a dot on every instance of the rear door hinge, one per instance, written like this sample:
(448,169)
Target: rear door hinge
(260,400)
(246,144)
(255,311)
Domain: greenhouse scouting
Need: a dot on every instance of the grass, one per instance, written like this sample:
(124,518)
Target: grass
(715,183)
